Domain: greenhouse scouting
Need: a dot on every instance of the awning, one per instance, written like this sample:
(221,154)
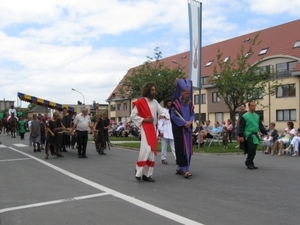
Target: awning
(44,102)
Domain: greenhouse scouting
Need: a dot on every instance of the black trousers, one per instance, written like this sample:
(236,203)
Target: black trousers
(82,138)
(251,150)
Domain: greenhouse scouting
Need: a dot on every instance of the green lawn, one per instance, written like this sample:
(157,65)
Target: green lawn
(214,148)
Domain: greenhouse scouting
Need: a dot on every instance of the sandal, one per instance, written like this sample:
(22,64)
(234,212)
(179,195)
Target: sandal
(179,172)
(186,174)
(164,162)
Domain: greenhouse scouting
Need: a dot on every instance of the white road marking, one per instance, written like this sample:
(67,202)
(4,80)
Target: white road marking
(52,202)
(3,146)
(20,145)
(139,203)
(10,160)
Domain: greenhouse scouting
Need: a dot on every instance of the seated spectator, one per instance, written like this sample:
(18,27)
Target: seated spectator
(114,130)
(207,127)
(285,138)
(195,133)
(272,136)
(209,134)
(295,143)
(120,129)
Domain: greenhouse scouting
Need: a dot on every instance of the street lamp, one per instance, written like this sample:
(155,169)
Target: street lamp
(81,94)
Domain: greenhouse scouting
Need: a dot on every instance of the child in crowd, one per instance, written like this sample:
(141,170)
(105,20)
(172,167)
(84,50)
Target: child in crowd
(225,137)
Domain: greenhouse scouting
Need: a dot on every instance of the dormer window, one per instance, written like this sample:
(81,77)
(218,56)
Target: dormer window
(226,59)
(209,63)
(297,44)
(247,54)
(263,51)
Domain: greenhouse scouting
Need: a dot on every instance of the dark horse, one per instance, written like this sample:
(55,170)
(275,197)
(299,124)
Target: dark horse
(13,124)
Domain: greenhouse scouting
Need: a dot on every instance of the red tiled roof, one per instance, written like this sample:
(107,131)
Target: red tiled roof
(279,40)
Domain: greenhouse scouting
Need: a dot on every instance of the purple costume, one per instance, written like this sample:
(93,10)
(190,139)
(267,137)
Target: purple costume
(180,114)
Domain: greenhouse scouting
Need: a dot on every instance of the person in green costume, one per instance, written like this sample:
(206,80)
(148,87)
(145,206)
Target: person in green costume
(249,125)
(22,128)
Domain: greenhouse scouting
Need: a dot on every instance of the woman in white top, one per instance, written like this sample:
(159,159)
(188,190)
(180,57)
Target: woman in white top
(295,143)
(285,138)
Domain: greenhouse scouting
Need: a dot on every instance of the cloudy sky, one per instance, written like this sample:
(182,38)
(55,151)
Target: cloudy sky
(49,47)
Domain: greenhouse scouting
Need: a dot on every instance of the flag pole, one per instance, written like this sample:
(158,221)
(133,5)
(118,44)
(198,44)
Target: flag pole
(200,68)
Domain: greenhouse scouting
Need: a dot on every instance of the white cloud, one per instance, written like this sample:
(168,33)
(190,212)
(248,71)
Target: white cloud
(274,7)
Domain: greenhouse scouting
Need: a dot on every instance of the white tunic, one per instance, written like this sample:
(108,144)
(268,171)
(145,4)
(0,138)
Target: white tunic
(165,125)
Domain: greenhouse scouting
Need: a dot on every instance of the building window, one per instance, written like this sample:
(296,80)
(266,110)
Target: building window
(247,54)
(118,107)
(219,118)
(201,118)
(260,114)
(196,99)
(204,80)
(285,69)
(287,90)
(209,63)
(112,107)
(297,44)
(286,115)
(124,106)
(226,59)
(215,97)
(263,51)
(202,99)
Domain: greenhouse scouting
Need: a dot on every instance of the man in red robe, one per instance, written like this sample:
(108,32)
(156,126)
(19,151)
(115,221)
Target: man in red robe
(144,115)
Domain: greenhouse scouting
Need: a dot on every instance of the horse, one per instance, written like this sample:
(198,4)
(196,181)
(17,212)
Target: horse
(13,124)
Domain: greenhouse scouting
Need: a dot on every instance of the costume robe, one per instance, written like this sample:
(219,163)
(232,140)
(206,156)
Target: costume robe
(182,136)
(146,158)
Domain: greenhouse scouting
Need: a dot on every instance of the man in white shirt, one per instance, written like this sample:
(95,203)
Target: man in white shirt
(165,132)
(82,122)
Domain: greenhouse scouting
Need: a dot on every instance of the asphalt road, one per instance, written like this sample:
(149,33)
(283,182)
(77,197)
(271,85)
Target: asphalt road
(103,190)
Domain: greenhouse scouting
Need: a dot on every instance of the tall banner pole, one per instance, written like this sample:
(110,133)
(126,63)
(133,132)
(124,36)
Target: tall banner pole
(195,28)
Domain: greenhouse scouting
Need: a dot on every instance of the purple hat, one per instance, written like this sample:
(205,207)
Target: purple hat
(183,85)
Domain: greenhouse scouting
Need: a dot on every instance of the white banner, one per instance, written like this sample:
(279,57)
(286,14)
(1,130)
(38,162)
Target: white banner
(195,23)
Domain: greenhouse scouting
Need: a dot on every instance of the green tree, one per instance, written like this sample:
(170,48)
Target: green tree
(153,70)
(238,81)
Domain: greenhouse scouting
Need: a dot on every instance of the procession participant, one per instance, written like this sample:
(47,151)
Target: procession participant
(12,110)
(22,128)
(43,131)
(249,125)
(182,117)
(165,132)
(144,115)
(35,132)
(54,140)
(82,122)
(66,120)
(101,126)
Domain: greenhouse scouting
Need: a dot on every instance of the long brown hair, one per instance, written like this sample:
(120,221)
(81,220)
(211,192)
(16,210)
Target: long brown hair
(147,88)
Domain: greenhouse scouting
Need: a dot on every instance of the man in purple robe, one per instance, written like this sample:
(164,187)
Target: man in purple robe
(182,116)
